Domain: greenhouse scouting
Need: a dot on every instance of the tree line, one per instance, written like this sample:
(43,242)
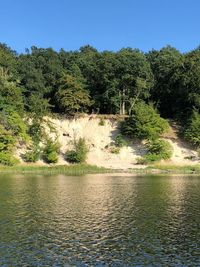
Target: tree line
(43,80)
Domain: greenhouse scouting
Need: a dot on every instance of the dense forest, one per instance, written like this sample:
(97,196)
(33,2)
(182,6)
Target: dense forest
(86,80)
(42,81)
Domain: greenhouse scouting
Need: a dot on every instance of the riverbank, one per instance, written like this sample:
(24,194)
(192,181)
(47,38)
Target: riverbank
(83,169)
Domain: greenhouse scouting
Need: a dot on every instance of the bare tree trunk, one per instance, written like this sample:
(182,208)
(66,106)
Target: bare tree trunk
(120,104)
(123,102)
(133,103)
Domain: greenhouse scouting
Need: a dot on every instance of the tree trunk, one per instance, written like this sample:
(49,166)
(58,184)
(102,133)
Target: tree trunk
(123,102)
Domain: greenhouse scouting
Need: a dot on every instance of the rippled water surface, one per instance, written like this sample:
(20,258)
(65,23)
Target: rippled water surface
(99,220)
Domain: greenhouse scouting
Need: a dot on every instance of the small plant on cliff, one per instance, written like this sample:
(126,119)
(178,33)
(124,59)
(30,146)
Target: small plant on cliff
(101,122)
(114,150)
(6,158)
(157,150)
(79,154)
(51,151)
(120,141)
(33,154)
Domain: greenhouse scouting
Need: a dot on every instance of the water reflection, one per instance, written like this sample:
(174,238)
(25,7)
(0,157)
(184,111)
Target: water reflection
(99,220)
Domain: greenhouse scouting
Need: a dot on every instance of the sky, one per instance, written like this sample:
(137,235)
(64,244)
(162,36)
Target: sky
(104,24)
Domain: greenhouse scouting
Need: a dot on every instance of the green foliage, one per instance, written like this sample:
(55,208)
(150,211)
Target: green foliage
(120,141)
(157,150)
(13,122)
(145,123)
(36,131)
(7,140)
(38,106)
(101,122)
(114,150)
(10,92)
(166,65)
(51,151)
(71,156)
(71,95)
(33,154)
(7,158)
(192,129)
(79,154)
(10,134)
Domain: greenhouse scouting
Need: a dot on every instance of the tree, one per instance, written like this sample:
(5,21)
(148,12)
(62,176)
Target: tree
(10,92)
(135,78)
(145,123)
(192,129)
(71,96)
(166,65)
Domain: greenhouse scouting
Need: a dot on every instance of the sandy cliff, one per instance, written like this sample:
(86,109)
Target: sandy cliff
(99,138)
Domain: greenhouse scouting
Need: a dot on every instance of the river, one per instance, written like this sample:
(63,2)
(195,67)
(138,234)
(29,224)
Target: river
(99,220)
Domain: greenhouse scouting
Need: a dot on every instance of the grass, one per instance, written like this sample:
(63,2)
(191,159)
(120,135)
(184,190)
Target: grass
(176,169)
(73,170)
(83,169)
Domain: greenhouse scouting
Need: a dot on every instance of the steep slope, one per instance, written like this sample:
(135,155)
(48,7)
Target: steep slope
(100,138)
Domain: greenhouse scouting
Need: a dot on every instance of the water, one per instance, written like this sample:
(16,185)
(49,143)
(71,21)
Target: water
(99,220)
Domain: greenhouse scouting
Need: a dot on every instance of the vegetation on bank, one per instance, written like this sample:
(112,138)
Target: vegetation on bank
(146,87)
(83,169)
(157,150)
(174,169)
(73,169)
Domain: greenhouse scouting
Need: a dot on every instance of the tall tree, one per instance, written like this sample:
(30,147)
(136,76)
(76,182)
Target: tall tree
(166,65)
(71,96)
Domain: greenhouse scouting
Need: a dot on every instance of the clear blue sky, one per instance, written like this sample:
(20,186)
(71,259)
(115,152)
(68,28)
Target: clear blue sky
(104,24)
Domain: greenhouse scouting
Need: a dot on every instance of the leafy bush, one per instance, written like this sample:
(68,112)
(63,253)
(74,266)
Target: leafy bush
(157,150)
(114,150)
(79,154)
(71,156)
(120,141)
(33,154)
(17,125)
(7,140)
(145,123)
(192,129)
(36,131)
(51,151)
(102,122)
(6,158)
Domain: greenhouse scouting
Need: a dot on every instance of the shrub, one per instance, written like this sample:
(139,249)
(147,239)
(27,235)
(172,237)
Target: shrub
(120,141)
(114,150)
(145,123)
(102,122)
(36,131)
(157,150)
(51,151)
(192,129)
(6,158)
(32,155)
(7,140)
(14,123)
(79,154)
(71,156)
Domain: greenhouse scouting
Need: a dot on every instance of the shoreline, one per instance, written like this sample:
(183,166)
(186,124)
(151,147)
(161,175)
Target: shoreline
(84,169)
